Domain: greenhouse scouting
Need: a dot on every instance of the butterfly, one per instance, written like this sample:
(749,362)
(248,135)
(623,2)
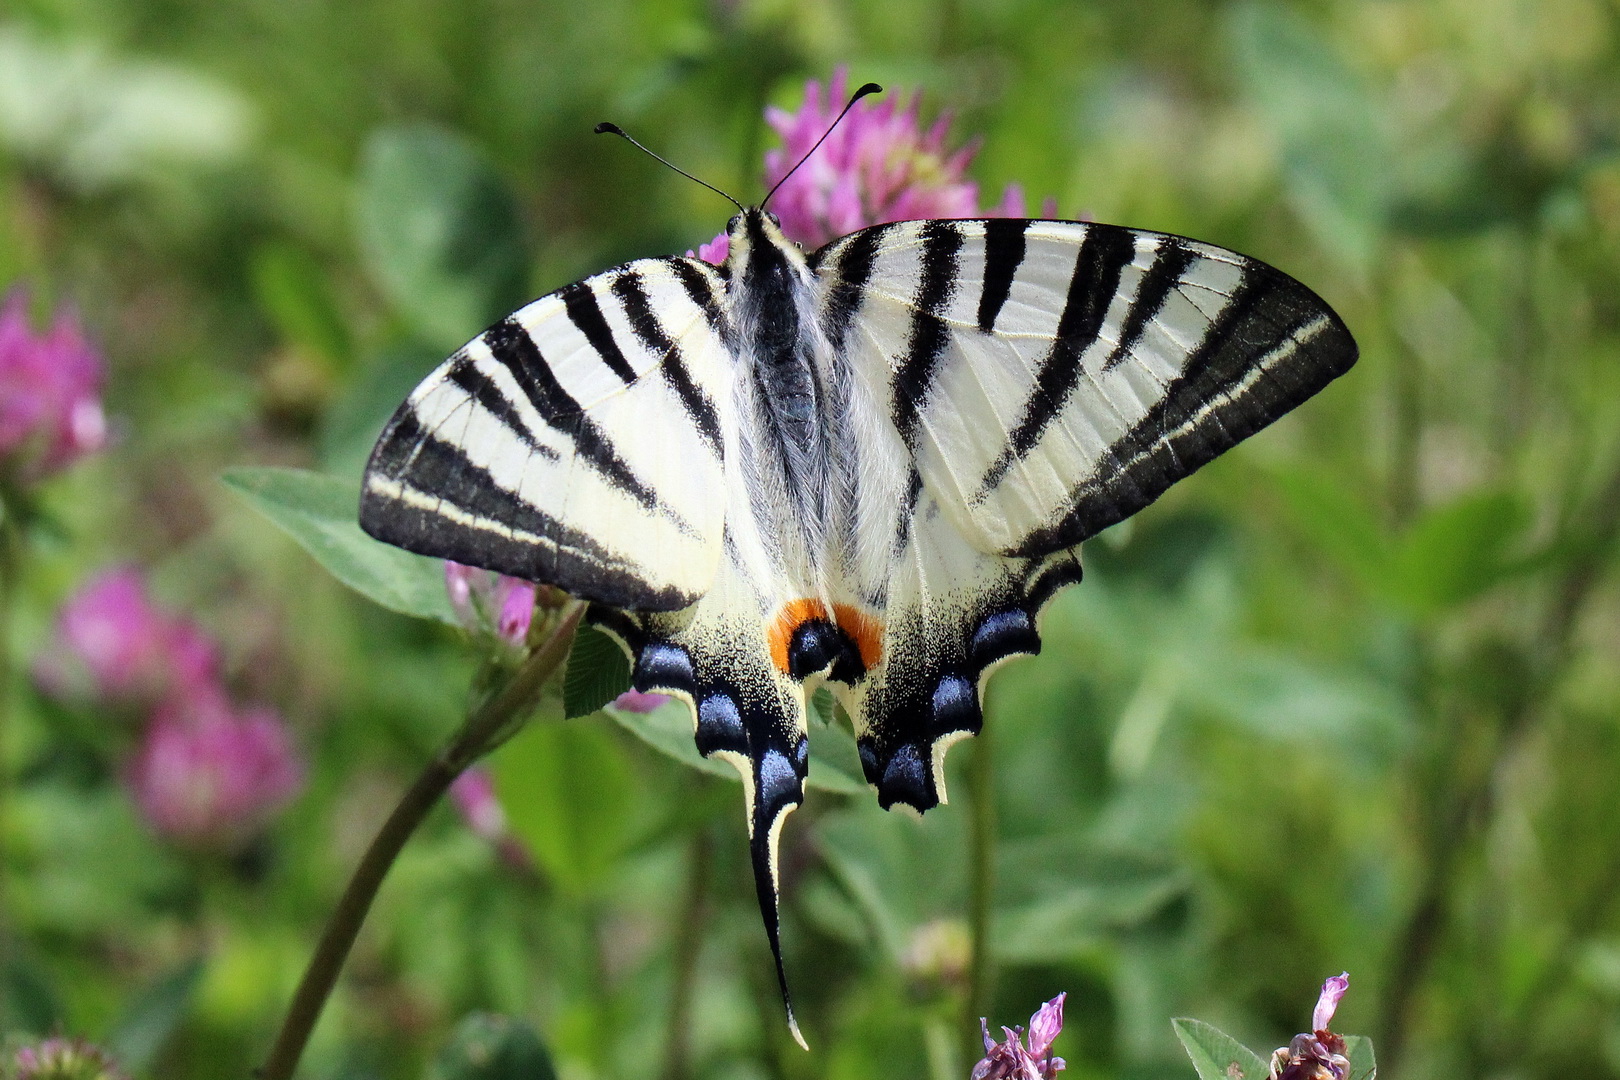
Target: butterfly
(869,466)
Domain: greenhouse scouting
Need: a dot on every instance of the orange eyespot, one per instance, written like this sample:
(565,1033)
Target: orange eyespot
(794,614)
(865,631)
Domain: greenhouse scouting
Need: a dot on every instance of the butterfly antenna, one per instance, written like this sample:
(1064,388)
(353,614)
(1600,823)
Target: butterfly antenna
(869,88)
(605,128)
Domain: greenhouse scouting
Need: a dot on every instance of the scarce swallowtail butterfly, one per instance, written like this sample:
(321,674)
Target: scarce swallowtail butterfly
(870,465)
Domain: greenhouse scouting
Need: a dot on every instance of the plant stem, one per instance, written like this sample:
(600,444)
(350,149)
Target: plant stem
(484,729)
(688,945)
(981,883)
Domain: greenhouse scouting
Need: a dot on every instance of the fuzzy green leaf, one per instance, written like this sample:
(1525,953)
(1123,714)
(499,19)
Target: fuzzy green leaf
(1216,1055)
(598,672)
(489,1047)
(319,512)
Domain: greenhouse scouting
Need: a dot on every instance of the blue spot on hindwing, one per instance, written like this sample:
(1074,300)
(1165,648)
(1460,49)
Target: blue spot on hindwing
(778,783)
(906,780)
(1002,634)
(720,725)
(661,664)
(956,705)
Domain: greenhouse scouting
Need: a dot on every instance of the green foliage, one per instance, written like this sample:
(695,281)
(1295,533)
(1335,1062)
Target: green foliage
(1218,1056)
(598,671)
(486,1047)
(570,794)
(319,513)
(1344,699)
(440,232)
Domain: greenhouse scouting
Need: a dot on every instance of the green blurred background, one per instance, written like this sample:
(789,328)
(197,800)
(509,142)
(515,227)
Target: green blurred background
(1348,699)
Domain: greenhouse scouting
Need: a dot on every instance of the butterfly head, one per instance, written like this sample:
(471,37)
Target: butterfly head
(758,245)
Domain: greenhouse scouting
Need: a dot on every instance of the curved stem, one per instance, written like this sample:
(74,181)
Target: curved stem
(484,729)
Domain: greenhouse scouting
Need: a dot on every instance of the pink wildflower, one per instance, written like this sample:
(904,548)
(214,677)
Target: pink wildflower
(879,165)
(490,604)
(64,1059)
(1011,1060)
(1318,1054)
(473,795)
(50,393)
(132,650)
(637,702)
(209,777)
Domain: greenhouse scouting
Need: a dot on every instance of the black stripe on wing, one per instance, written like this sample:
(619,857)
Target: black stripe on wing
(930,335)
(631,292)
(465,374)
(1274,345)
(579,301)
(853,259)
(414,476)
(1003,255)
(512,346)
(1105,251)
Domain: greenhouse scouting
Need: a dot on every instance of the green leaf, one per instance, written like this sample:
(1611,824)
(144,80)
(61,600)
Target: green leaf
(668,729)
(319,512)
(440,232)
(598,672)
(489,1047)
(1363,1065)
(1216,1055)
(153,1017)
(1455,552)
(835,763)
(568,792)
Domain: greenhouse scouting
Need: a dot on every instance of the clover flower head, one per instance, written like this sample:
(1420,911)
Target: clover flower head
(1010,1059)
(130,650)
(50,393)
(65,1059)
(490,604)
(208,776)
(879,165)
(1318,1054)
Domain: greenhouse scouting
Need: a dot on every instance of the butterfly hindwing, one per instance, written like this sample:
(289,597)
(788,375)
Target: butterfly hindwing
(577,442)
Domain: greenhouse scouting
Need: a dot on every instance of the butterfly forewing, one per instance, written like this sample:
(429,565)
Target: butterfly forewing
(577,442)
(1051,378)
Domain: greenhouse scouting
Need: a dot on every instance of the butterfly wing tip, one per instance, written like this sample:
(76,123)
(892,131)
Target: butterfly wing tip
(793,1029)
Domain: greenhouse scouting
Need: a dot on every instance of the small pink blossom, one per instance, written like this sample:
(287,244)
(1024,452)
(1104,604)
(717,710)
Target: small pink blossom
(1011,1060)
(131,649)
(637,702)
(490,604)
(50,393)
(209,777)
(1318,1054)
(473,795)
(64,1059)
(879,165)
